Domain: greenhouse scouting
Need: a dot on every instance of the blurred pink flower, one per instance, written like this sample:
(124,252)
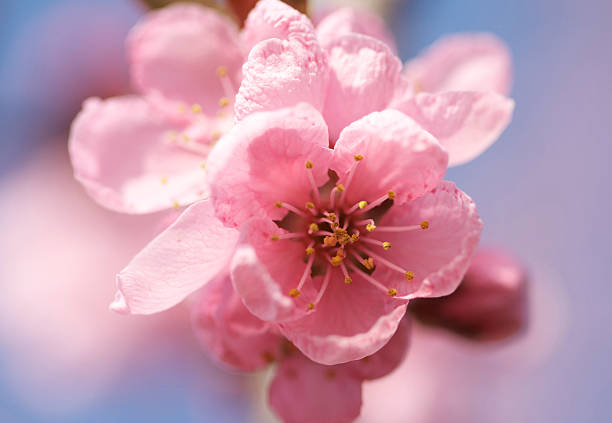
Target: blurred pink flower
(62,347)
(490,303)
(302,390)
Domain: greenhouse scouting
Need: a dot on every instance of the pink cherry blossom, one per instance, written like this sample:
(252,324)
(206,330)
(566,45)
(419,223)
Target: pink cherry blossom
(313,236)
(301,391)
(336,72)
(490,303)
(146,152)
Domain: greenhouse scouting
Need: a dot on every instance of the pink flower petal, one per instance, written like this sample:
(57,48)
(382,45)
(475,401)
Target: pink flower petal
(398,155)
(282,73)
(363,78)
(175,54)
(122,152)
(349,323)
(463,62)
(190,253)
(262,161)
(265,271)
(275,19)
(348,20)
(388,358)
(229,332)
(439,256)
(306,392)
(465,123)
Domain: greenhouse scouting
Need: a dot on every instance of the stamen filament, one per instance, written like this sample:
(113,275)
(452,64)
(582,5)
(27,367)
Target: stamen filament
(371,280)
(307,272)
(375,203)
(291,235)
(386,245)
(360,205)
(349,179)
(422,226)
(384,261)
(315,189)
(324,286)
(280,204)
(347,279)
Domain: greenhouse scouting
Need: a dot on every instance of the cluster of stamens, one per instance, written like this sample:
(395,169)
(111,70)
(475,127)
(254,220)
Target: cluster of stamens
(338,235)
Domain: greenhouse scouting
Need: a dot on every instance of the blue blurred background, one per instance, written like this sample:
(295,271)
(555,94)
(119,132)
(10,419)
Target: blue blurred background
(541,190)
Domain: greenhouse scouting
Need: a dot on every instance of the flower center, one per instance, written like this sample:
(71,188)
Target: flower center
(342,240)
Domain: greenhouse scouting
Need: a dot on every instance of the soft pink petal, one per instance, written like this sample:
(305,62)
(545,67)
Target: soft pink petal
(122,151)
(348,20)
(490,304)
(439,255)
(306,392)
(275,19)
(463,62)
(364,74)
(388,358)
(190,253)
(281,73)
(398,155)
(351,322)
(229,332)
(175,53)
(262,161)
(465,123)
(265,271)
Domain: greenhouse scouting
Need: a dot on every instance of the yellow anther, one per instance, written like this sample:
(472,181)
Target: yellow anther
(392,292)
(182,109)
(330,241)
(313,227)
(386,245)
(409,275)
(358,157)
(309,164)
(278,204)
(363,204)
(310,306)
(164,181)
(340,188)
(391,194)
(275,237)
(336,260)
(176,205)
(221,71)
(355,237)
(424,224)
(348,280)
(186,138)
(221,114)
(294,293)
(310,205)
(330,374)
(370,227)
(203,165)
(224,102)
(172,135)
(196,108)
(332,217)
(310,251)
(216,135)
(368,263)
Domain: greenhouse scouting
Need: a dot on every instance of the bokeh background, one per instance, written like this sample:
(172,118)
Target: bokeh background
(542,190)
